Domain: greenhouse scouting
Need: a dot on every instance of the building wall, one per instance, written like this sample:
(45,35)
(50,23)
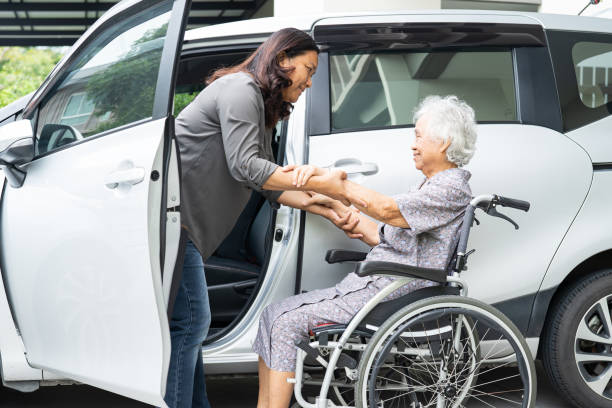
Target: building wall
(266,10)
(292,7)
(288,7)
(604,9)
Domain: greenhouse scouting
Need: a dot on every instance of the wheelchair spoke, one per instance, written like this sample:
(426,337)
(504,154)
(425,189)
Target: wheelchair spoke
(402,374)
(481,394)
(442,358)
(495,381)
(467,343)
(484,402)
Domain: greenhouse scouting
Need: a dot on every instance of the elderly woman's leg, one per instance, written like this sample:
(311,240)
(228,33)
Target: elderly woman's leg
(263,399)
(279,390)
(274,390)
(283,323)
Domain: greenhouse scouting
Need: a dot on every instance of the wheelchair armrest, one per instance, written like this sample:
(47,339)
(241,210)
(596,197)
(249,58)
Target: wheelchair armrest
(397,269)
(343,255)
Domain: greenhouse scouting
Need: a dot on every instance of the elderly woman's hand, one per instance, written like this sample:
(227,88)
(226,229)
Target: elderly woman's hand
(347,223)
(341,216)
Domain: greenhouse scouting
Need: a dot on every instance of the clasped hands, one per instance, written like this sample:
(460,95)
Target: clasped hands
(333,193)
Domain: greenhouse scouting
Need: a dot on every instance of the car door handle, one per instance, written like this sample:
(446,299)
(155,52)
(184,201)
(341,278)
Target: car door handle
(355,166)
(131,176)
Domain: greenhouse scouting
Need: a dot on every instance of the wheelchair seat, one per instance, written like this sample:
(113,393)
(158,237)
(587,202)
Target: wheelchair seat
(383,310)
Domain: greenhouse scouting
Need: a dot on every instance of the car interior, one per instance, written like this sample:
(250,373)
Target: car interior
(234,271)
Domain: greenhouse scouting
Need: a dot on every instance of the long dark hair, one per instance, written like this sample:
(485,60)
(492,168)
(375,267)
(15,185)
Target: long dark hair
(271,78)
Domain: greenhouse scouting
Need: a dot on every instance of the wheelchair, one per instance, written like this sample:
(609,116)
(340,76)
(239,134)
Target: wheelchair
(434,347)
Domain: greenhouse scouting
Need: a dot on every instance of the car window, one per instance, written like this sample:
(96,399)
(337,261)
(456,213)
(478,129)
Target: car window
(193,72)
(373,90)
(593,66)
(111,83)
(583,72)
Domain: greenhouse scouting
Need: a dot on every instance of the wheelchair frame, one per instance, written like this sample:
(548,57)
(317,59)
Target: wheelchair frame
(403,274)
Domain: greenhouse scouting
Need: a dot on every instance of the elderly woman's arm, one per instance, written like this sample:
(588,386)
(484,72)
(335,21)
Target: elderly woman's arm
(378,206)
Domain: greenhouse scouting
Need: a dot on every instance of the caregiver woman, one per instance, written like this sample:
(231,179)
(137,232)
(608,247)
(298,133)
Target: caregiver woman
(224,137)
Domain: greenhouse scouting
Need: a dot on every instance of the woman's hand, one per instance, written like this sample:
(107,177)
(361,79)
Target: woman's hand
(332,185)
(302,173)
(321,199)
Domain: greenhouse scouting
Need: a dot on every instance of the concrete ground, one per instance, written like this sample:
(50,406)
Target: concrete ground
(222,393)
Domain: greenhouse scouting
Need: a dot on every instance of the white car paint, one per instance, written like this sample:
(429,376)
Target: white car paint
(72,301)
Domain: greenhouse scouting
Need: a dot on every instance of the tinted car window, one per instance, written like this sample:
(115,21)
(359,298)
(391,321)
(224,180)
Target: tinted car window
(582,64)
(110,84)
(373,90)
(593,66)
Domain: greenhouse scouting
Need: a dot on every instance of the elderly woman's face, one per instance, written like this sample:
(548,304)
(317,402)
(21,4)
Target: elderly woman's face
(429,154)
(305,66)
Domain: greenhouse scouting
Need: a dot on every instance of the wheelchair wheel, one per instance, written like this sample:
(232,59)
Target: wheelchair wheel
(440,352)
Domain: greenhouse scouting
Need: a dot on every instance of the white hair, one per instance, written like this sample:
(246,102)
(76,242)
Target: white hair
(450,118)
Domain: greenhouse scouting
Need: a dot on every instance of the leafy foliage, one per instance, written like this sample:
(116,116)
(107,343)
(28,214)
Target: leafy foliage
(23,69)
(181,100)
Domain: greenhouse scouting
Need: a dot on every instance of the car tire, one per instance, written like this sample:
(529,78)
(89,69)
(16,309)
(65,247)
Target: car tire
(570,349)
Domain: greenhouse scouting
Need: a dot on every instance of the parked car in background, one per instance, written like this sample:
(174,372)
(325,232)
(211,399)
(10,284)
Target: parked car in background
(90,208)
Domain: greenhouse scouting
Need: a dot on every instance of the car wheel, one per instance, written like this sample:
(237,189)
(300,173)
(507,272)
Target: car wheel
(577,347)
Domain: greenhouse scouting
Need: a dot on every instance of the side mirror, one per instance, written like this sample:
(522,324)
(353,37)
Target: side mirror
(53,136)
(16,148)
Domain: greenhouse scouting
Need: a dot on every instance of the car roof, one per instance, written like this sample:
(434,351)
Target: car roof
(263,26)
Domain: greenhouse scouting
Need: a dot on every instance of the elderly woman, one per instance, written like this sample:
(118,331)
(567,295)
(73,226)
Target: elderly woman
(417,228)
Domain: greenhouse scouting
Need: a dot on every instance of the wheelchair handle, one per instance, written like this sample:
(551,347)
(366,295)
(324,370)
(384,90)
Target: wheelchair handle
(487,203)
(512,203)
(486,200)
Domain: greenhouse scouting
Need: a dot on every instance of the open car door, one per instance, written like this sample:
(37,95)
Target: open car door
(90,238)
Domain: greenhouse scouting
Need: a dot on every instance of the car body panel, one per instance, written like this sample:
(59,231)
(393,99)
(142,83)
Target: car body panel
(589,234)
(595,139)
(13,361)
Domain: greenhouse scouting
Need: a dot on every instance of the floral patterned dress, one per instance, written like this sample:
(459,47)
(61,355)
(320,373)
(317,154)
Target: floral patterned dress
(433,210)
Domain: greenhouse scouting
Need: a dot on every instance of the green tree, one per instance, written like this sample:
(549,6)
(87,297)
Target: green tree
(23,69)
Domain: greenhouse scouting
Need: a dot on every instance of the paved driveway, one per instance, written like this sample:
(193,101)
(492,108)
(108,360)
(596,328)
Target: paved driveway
(222,393)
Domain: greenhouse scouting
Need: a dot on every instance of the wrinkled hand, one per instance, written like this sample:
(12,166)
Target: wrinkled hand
(347,222)
(334,186)
(341,216)
(302,173)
